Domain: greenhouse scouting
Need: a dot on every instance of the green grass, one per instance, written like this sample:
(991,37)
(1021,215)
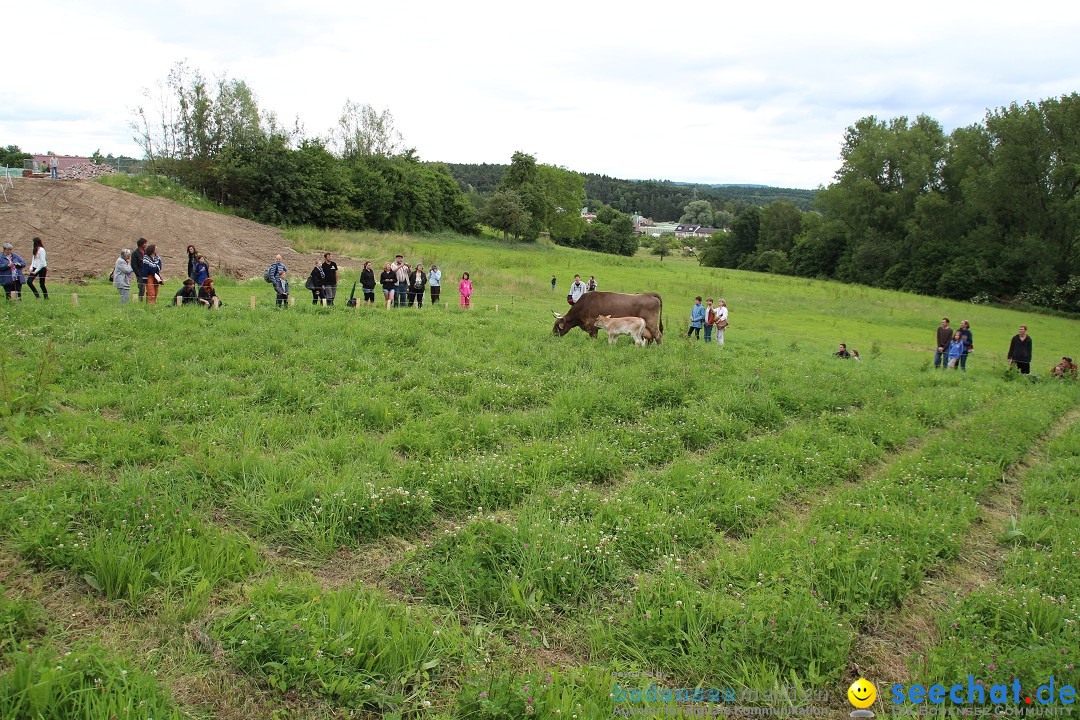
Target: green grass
(554,507)
(149,185)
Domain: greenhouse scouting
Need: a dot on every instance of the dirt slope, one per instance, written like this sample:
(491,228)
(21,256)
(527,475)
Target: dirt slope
(84,224)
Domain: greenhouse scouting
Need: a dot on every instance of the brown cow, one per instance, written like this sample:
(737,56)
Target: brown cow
(647,306)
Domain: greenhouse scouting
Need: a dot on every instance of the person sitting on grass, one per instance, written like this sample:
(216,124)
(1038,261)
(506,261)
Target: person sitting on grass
(842,352)
(207,295)
(187,293)
(1065,370)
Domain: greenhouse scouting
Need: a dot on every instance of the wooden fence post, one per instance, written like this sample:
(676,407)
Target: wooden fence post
(74,299)
(252,302)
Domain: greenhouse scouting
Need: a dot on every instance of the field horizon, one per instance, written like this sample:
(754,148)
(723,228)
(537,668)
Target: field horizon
(333,512)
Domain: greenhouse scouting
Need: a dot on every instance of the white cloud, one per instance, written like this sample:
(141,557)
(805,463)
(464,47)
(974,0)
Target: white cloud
(761,92)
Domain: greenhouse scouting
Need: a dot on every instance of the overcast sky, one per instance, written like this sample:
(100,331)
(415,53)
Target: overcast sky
(725,92)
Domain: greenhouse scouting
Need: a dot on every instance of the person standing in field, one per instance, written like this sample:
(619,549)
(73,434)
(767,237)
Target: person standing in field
(202,270)
(152,268)
(122,272)
(435,283)
(417,282)
(577,289)
(388,279)
(720,323)
(591,286)
(957,346)
(11,272)
(367,283)
(1020,351)
(401,288)
(710,319)
(279,278)
(315,283)
(969,343)
(137,263)
(38,270)
(54,167)
(192,261)
(465,288)
(697,318)
(944,337)
(329,268)
(552,283)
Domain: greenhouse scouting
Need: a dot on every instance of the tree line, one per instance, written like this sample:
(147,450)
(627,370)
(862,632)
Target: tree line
(660,200)
(988,211)
(213,137)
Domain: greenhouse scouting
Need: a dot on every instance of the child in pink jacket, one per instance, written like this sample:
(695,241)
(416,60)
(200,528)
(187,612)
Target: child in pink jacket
(465,288)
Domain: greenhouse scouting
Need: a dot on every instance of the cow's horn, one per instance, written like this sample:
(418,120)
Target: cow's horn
(557,315)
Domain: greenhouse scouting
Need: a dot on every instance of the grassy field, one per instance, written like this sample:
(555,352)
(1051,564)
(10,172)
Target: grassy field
(324,512)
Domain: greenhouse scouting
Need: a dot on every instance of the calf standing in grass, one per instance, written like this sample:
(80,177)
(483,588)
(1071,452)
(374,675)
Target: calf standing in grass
(632,326)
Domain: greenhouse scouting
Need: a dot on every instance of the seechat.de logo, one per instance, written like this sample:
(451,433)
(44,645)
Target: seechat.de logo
(974,692)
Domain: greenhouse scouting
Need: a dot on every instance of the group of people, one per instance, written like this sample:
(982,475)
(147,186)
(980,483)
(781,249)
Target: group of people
(713,319)
(14,273)
(577,288)
(843,353)
(402,284)
(144,266)
(954,346)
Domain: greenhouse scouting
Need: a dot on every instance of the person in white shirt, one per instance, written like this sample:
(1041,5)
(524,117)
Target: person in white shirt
(577,289)
(721,321)
(38,270)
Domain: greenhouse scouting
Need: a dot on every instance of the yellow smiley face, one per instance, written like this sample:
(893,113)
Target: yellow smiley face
(862,693)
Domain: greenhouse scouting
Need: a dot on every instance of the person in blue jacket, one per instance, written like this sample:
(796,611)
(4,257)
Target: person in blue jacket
(11,272)
(957,348)
(697,318)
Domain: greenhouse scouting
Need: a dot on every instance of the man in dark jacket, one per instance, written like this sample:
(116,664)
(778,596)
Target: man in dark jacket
(944,337)
(1020,351)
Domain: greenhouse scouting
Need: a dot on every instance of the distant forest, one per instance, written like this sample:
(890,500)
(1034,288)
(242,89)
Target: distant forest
(661,200)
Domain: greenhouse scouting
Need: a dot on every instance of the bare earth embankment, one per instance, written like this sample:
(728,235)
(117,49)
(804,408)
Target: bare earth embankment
(84,224)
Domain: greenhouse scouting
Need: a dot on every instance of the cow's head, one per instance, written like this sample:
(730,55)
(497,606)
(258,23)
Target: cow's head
(561,326)
(602,321)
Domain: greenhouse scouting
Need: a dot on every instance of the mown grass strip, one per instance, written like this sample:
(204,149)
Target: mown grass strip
(1027,625)
(789,605)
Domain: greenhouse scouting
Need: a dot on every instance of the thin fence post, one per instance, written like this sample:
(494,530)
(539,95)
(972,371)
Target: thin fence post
(74,299)
(252,302)
(496,308)
(178,300)
(322,301)
(292,301)
(216,302)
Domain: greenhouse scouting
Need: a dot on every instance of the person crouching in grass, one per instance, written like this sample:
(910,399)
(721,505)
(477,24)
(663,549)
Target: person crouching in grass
(187,295)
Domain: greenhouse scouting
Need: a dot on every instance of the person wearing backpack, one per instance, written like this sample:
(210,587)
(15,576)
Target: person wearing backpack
(276,275)
(315,283)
